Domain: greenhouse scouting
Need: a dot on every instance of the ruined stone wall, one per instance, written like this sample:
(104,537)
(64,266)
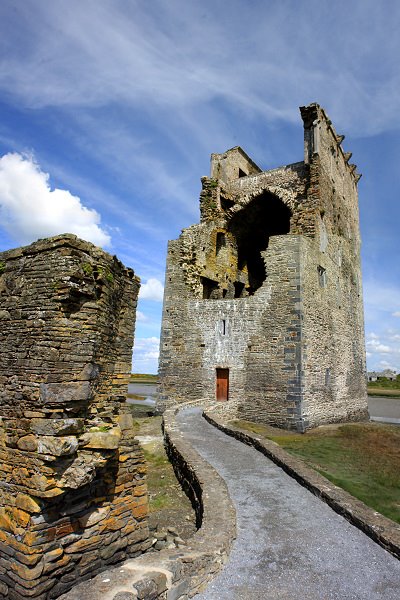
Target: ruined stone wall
(268,286)
(72,491)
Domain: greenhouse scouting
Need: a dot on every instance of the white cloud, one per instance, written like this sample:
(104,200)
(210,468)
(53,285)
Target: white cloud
(152,290)
(30,209)
(383,351)
(376,346)
(396,313)
(141,316)
(147,347)
(373,336)
(145,355)
(387,365)
(94,52)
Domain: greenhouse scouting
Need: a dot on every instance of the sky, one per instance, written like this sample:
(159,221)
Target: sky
(110,109)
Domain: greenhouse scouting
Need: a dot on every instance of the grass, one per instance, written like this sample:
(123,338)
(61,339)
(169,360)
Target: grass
(160,480)
(164,490)
(143,378)
(361,458)
(385,387)
(383,391)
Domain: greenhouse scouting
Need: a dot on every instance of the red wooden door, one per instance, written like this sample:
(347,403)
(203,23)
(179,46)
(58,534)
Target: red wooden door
(222,384)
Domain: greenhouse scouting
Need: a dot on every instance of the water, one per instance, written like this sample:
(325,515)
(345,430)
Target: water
(142,393)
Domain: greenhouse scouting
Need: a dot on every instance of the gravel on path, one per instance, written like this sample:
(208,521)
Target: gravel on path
(290,545)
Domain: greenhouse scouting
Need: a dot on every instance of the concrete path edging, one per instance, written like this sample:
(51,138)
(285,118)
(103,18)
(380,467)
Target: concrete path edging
(175,574)
(382,530)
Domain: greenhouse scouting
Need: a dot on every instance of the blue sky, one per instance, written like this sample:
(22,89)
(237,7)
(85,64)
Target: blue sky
(110,109)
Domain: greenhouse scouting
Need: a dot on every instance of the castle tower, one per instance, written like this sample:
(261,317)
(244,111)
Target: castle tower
(263,309)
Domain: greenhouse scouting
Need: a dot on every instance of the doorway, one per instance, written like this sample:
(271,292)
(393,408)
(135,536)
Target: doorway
(222,384)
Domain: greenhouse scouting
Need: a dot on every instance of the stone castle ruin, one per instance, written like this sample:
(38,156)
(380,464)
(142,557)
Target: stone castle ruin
(73,497)
(263,309)
(262,318)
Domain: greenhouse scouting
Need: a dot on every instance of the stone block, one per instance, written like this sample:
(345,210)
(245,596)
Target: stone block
(57,426)
(84,545)
(28,504)
(57,446)
(93,517)
(113,548)
(146,589)
(177,591)
(64,393)
(101,440)
(29,573)
(28,443)
(125,596)
(3,589)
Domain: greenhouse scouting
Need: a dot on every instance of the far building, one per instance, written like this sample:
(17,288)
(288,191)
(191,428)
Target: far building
(263,310)
(386,374)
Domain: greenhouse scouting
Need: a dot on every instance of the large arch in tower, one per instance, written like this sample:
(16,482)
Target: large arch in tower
(252,226)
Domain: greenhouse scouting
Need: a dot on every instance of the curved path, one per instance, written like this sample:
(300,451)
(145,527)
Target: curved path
(290,545)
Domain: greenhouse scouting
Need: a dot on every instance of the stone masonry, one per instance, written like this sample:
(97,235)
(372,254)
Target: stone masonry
(263,304)
(73,496)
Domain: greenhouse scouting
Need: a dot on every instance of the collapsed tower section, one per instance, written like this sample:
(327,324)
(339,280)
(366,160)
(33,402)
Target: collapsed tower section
(263,304)
(73,496)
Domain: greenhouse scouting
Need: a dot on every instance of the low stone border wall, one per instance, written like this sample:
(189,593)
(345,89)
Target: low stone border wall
(382,530)
(175,574)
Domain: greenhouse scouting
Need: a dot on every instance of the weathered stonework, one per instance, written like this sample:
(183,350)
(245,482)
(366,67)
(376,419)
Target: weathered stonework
(73,495)
(265,292)
(176,574)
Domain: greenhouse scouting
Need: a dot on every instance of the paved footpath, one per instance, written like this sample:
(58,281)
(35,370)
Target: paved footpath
(290,545)
(386,410)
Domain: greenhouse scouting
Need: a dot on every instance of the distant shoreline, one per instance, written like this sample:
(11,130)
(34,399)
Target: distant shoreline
(143,378)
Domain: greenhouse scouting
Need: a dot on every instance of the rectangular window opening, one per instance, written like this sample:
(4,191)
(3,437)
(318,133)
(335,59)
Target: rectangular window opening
(327,377)
(321,276)
(220,243)
(210,288)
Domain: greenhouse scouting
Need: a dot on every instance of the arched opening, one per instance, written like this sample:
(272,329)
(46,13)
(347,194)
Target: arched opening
(252,227)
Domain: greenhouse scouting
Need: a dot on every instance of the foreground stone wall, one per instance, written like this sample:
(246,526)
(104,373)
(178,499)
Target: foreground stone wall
(265,292)
(72,492)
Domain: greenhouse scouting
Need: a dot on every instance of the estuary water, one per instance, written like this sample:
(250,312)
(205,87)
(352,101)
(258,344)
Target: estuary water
(142,393)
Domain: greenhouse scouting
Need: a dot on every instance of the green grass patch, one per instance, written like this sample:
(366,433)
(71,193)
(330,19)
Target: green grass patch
(161,481)
(384,382)
(143,378)
(361,458)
